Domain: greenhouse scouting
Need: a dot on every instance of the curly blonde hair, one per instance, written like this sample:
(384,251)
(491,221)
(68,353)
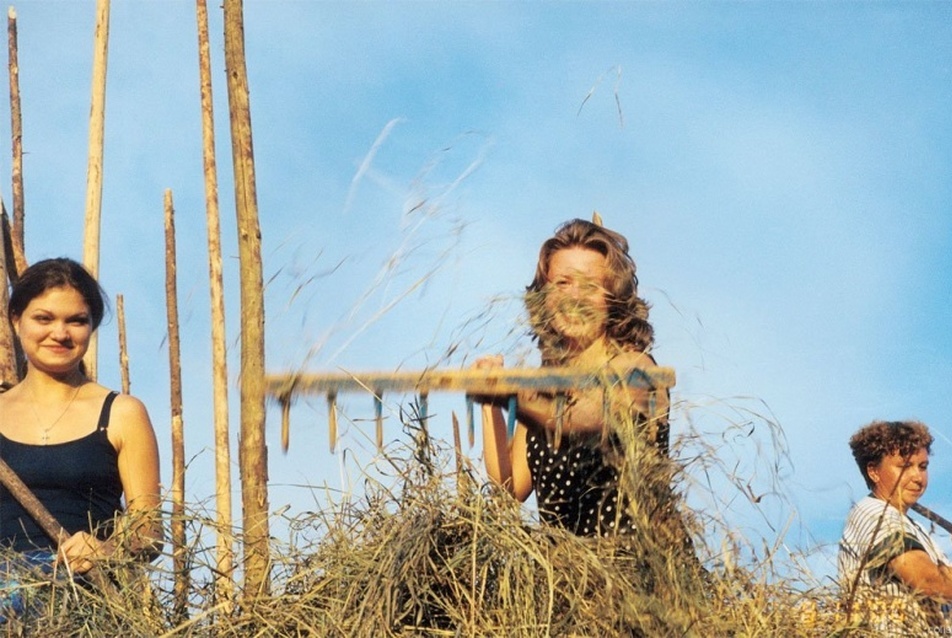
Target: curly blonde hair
(627,323)
(881,438)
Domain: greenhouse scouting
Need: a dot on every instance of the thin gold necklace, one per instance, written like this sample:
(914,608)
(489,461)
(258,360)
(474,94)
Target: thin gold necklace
(45,431)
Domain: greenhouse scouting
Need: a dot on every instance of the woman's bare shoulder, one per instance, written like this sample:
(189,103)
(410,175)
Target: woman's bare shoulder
(128,406)
(629,359)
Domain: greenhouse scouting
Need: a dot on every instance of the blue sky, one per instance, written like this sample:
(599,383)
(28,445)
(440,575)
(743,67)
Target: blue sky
(781,170)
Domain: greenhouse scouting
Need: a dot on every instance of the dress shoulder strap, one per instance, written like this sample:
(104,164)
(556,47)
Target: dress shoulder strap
(106,409)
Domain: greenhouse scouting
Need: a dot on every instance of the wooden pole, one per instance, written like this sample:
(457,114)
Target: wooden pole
(97,117)
(123,349)
(225,559)
(16,132)
(9,373)
(179,564)
(12,255)
(253,452)
(942,522)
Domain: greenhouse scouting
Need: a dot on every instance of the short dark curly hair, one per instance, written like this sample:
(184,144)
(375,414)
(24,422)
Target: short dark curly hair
(881,438)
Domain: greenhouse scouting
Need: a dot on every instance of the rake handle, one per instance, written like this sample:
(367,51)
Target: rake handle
(944,523)
(26,498)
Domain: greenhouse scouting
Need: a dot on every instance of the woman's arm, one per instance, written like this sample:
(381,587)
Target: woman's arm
(139,473)
(917,570)
(584,410)
(505,460)
(140,529)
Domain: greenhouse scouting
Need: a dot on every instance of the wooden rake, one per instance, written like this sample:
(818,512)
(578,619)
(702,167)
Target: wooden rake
(497,385)
(924,511)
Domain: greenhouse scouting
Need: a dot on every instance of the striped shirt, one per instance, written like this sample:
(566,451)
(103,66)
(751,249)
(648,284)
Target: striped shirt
(875,534)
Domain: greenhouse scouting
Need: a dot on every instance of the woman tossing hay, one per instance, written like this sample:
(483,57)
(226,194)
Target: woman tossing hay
(584,312)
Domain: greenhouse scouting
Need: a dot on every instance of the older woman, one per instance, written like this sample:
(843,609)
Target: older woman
(884,553)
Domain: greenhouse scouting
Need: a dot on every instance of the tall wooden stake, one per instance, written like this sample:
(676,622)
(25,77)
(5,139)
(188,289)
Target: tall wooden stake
(225,559)
(179,565)
(97,117)
(253,452)
(12,253)
(123,349)
(16,132)
(9,375)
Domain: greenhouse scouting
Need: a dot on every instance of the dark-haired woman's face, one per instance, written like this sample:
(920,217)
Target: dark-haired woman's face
(576,300)
(55,329)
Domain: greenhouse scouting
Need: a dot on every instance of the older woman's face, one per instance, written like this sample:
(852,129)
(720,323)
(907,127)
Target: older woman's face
(576,299)
(900,480)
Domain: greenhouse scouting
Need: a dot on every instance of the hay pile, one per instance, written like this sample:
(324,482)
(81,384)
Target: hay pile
(440,554)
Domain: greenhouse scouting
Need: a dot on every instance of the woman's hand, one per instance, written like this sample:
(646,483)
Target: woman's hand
(489,362)
(81,551)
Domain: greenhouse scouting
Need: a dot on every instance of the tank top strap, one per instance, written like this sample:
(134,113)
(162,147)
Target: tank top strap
(106,409)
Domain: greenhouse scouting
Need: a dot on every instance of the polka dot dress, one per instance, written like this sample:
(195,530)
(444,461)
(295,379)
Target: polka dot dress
(575,487)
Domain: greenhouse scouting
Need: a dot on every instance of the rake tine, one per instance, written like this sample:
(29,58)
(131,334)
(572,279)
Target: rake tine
(378,418)
(511,417)
(470,420)
(559,419)
(424,407)
(457,446)
(285,423)
(332,419)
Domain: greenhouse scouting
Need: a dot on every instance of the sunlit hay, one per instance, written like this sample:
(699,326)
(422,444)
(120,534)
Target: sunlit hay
(438,555)
(433,553)
(497,327)
(444,556)
(56,605)
(425,241)
(140,599)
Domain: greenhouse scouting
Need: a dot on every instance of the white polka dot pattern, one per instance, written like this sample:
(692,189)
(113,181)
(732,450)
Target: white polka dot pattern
(574,486)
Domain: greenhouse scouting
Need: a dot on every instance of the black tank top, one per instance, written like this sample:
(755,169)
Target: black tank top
(77,481)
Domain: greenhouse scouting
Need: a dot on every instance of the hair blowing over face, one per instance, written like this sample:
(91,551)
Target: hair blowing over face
(882,438)
(56,273)
(627,312)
